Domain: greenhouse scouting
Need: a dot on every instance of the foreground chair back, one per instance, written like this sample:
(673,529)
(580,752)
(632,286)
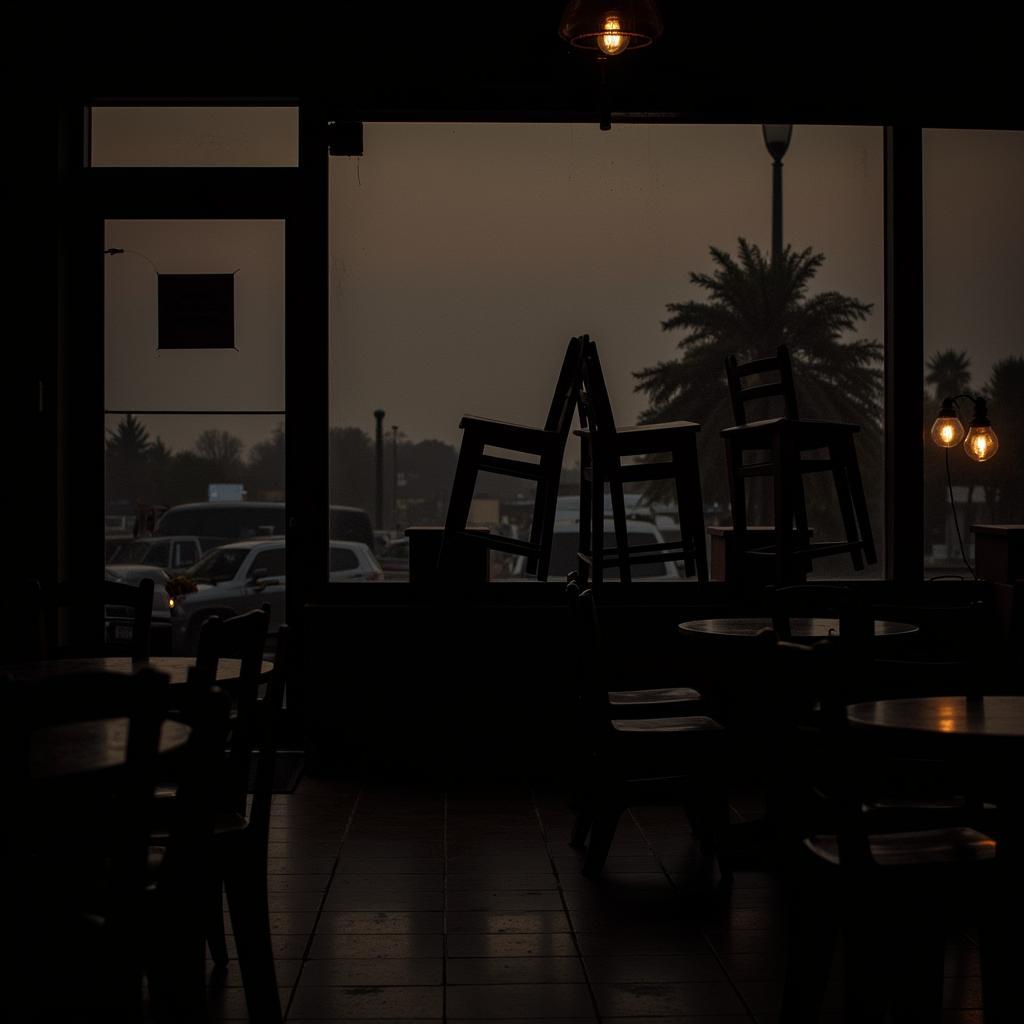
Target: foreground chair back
(543,448)
(605,451)
(780,443)
(891,894)
(86,839)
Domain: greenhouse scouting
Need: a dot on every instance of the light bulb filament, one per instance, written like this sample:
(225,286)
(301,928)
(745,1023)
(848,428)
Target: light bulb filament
(612,41)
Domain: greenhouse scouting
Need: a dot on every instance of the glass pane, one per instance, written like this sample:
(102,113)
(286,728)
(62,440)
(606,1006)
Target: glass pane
(974,306)
(142,372)
(195,136)
(465,256)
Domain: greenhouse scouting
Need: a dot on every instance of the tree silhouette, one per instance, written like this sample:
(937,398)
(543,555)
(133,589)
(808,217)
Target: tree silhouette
(755,304)
(949,373)
(129,440)
(1005,394)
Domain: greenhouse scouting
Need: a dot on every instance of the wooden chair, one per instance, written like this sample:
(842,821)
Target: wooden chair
(88,894)
(648,702)
(237,862)
(891,894)
(603,451)
(630,761)
(786,438)
(546,445)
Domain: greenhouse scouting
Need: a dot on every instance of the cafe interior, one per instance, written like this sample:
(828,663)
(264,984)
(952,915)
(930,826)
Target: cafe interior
(708,709)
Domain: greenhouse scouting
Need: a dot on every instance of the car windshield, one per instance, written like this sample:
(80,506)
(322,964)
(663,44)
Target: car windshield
(142,552)
(219,565)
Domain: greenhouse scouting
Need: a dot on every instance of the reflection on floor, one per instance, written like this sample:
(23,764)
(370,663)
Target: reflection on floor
(393,903)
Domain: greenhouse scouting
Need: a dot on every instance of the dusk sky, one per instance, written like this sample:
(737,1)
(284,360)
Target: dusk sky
(464,256)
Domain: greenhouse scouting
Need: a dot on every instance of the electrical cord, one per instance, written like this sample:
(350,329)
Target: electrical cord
(956,522)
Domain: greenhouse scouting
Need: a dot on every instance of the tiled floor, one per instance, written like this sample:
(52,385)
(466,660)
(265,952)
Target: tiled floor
(394,903)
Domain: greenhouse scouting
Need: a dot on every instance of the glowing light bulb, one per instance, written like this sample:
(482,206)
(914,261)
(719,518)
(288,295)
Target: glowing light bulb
(947,431)
(981,443)
(612,40)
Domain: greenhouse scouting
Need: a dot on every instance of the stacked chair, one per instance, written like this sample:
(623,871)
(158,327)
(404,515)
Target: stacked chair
(540,451)
(605,453)
(779,444)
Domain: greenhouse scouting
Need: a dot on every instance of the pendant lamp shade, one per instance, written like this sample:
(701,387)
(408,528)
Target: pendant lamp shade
(609,27)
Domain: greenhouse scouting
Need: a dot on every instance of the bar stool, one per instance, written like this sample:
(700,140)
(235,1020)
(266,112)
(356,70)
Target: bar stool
(546,444)
(603,447)
(786,438)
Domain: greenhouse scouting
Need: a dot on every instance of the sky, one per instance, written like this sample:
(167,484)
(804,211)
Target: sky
(464,256)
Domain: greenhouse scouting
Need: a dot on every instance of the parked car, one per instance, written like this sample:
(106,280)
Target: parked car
(394,559)
(237,520)
(118,619)
(236,578)
(565,545)
(170,553)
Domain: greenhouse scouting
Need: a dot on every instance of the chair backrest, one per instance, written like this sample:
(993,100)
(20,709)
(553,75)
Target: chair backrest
(269,714)
(112,816)
(739,395)
(140,599)
(856,624)
(567,388)
(595,405)
(242,637)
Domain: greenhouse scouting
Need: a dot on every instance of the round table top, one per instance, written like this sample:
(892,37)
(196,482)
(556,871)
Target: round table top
(81,748)
(176,668)
(967,717)
(802,628)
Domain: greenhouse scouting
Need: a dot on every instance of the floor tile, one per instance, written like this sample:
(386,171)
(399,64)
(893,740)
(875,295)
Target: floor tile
(368,1001)
(616,969)
(522,970)
(326,946)
(495,1002)
(380,971)
(637,999)
(381,922)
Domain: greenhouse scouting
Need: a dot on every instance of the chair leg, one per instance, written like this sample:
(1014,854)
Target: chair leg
(860,503)
(690,505)
(586,497)
(602,832)
(811,939)
(840,475)
(581,826)
(737,493)
(545,509)
(246,886)
(596,526)
(462,496)
(621,534)
(215,938)
(782,485)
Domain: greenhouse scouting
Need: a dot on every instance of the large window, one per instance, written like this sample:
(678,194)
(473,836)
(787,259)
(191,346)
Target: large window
(974,308)
(465,256)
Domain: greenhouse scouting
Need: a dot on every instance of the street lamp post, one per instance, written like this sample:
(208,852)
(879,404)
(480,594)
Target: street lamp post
(776,139)
(394,476)
(378,415)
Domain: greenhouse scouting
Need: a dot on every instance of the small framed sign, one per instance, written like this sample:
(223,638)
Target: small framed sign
(196,310)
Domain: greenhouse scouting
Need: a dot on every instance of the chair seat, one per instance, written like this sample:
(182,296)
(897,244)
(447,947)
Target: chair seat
(516,436)
(945,847)
(648,438)
(665,695)
(666,726)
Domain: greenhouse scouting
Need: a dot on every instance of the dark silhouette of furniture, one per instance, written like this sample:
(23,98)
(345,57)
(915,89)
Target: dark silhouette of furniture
(545,445)
(891,894)
(648,702)
(94,780)
(631,760)
(604,449)
(237,862)
(784,440)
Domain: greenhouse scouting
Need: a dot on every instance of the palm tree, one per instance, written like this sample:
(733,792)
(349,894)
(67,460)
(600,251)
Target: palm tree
(754,305)
(949,373)
(1005,393)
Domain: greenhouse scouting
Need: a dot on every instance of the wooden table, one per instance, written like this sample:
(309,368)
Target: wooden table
(802,629)
(84,748)
(176,668)
(993,721)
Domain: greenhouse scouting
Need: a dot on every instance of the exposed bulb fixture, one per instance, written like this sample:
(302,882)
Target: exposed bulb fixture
(611,40)
(947,430)
(981,443)
(610,27)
